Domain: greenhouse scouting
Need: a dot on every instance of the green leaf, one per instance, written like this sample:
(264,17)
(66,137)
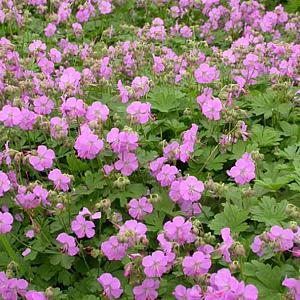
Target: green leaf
(270,212)
(265,136)
(62,259)
(165,99)
(231,217)
(267,280)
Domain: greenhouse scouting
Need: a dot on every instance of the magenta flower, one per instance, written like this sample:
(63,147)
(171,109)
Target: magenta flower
(104,7)
(140,85)
(139,208)
(244,170)
(10,116)
(70,80)
(68,244)
(212,108)
(58,128)
(34,295)
(191,189)
(4,183)
(73,108)
(11,288)
(171,151)
(55,55)
(43,105)
(26,252)
(111,286)
(139,112)
(133,232)
(87,144)
(60,181)
(41,194)
(227,243)
(28,119)
(258,246)
(83,228)
(113,249)
(155,265)
(27,199)
(147,290)
(167,175)
(182,293)
(156,165)
(124,94)
(127,163)
(122,141)
(196,265)
(225,286)
(206,74)
(283,238)
(97,112)
(294,287)
(43,159)
(6,219)
(50,30)
(180,231)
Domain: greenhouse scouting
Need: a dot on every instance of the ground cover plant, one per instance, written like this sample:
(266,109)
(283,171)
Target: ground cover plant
(149,150)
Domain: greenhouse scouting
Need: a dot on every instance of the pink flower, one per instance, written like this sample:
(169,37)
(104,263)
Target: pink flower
(111,286)
(180,231)
(26,252)
(122,141)
(34,295)
(43,159)
(41,194)
(139,112)
(6,219)
(113,249)
(55,55)
(37,46)
(4,183)
(69,244)
(10,116)
(212,108)
(104,7)
(139,208)
(60,181)
(191,189)
(140,85)
(147,290)
(294,287)
(87,144)
(69,80)
(227,243)
(133,232)
(258,246)
(155,265)
(43,105)
(77,29)
(167,175)
(127,163)
(73,107)
(97,112)
(244,170)
(124,94)
(182,293)
(50,30)
(58,128)
(196,265)
(206,74)
(28,119)
(283,238)
(83,228)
